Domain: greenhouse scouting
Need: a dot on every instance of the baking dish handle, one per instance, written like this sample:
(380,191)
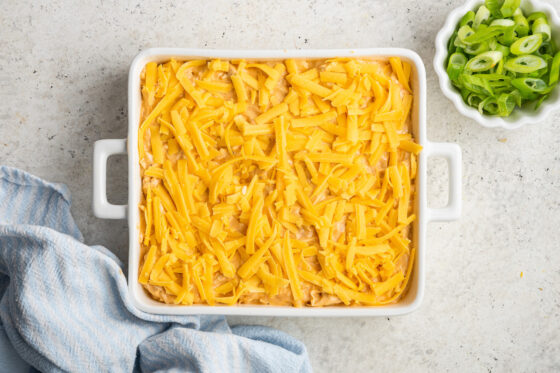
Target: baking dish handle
(102,150)
(452,154)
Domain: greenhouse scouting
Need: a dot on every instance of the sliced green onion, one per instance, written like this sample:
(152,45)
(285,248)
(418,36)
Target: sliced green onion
(511,74)
(529,87)
(467,19)
(541,26)
(451,44)
(525,64)
(507,30)
(509,7)
(506,104)
(495,46)
(484,61)
(539,73)
(502,48)
(494,77)
(495,80)
(534,74)
(545,48)
(499,58)
(458,44)
(534,16)
(457,62)
(475,49)
(482,27)
(517,97)
(540,101)
(482,15)
(548,59)
(483,34)
(494,7)
(527,44)
(488,105)
(502,22)
(521,24)
(473,99)
(463,33)
(500,67)
(554,70)
(475,84)
(508,36)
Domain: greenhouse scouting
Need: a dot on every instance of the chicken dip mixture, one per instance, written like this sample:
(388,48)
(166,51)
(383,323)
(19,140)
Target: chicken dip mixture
(287,182)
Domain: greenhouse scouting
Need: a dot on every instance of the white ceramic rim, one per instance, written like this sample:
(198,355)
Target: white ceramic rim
(104,148)
(518,117)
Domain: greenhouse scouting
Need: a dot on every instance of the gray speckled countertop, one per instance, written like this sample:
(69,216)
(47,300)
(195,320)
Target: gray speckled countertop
(63,75)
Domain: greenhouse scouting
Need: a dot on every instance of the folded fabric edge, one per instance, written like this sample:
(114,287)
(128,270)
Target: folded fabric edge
(10,361)
(20,177)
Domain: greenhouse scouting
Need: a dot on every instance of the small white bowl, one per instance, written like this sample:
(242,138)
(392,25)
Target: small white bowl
(519,116)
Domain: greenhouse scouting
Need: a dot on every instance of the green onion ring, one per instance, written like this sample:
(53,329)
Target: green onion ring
(494,7)
(540,101)
(521,24)
(463,33)
(508,36)
(506,104)
(467,19)
(483,34)
(473,99)
(482,15)
(529,87)
(554,70)
(455,66)
(545,48)
(541,26)
(484,61)
(509,7)
(502,23)
(534,16)
(475,49)
(489,104)
(526,45)
(525,64)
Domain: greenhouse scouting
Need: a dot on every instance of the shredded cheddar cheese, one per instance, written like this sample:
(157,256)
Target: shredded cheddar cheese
(277,182)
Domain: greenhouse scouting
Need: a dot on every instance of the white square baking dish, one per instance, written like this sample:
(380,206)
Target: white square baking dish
(105,148)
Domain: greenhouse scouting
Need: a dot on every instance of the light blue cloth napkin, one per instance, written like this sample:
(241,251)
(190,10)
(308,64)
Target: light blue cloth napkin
(64,306)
